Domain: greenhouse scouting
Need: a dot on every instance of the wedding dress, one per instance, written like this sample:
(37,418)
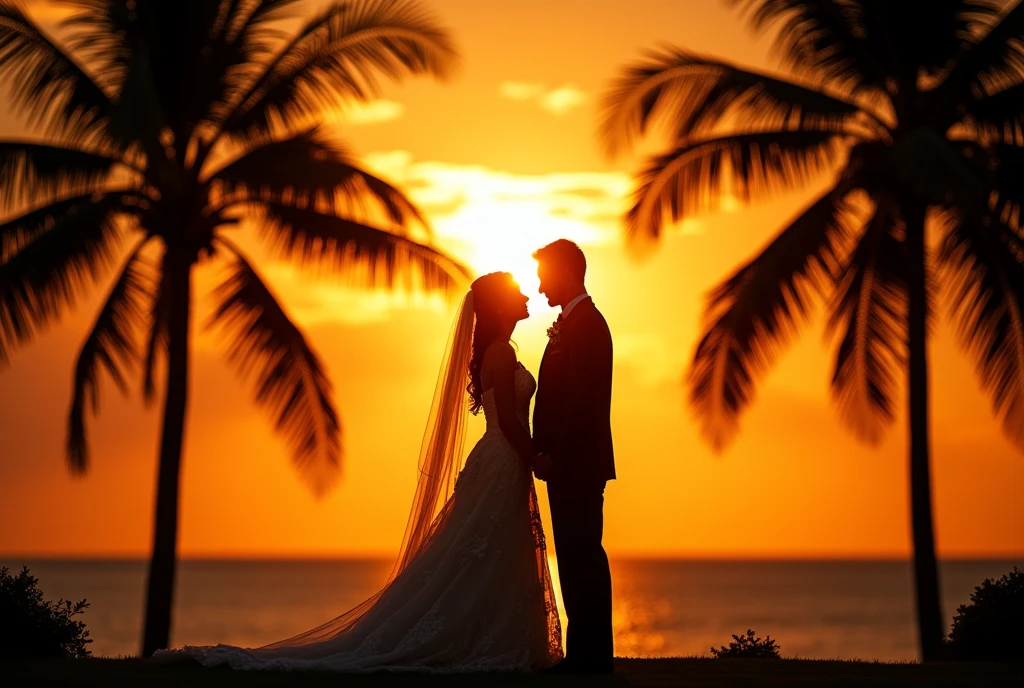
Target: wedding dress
(475,595)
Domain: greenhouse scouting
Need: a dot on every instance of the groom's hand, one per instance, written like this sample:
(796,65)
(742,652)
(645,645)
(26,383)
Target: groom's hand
(544,467)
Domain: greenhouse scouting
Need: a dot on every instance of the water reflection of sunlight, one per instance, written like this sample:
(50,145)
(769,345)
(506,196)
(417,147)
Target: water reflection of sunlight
(636,618)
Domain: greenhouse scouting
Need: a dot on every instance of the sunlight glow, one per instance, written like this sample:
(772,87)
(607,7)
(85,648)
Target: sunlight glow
(505,235)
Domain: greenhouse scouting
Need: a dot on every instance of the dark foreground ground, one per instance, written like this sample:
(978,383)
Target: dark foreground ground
(629,672)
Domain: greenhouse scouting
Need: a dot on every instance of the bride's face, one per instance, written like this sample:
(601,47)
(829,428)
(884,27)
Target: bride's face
(515,303)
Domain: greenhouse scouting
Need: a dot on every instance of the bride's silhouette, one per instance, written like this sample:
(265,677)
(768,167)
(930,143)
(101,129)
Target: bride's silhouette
(471,590)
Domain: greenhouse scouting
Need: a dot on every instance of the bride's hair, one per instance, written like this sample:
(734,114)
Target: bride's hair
(488,294)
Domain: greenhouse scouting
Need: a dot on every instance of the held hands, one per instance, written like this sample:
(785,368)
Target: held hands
(545,468)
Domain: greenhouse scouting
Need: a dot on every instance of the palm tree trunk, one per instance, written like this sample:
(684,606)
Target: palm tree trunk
(926,575)
(160,590)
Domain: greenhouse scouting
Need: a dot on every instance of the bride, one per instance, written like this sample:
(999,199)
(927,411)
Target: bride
(471,589)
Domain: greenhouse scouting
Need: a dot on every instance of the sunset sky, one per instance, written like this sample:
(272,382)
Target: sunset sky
(504,157)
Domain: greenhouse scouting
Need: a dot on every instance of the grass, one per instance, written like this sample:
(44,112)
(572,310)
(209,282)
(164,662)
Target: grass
(695,672)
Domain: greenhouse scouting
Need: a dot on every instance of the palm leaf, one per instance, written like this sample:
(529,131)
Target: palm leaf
(752,315)
(992,64)
(290,380)
(986,285)
(362,254)
(997,115)
(821,38)
(54,253)
(47,82)
(106,34)
(1009,171)
(111,345)
(694,94)
(30,170)
(307,166)
(870,306)
(909,41)
(695,177)
(338,55)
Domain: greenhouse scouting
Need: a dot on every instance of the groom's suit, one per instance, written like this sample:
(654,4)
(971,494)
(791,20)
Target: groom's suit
(572,424)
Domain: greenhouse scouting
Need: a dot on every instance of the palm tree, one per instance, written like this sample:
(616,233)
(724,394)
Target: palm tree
(166,125)
(918,112)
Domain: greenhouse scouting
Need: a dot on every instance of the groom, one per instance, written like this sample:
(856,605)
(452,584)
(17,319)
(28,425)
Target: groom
(572,432)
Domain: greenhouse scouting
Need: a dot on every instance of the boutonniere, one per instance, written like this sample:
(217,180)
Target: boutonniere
(554,330)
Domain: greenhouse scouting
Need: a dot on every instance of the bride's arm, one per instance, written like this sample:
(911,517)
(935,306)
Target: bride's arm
(500,367)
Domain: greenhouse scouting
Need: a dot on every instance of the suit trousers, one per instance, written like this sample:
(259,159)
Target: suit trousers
(577,521)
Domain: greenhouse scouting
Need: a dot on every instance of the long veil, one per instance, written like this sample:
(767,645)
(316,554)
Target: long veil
(440,461)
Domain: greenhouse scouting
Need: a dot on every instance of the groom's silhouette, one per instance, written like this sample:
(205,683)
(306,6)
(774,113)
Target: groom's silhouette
(572,432)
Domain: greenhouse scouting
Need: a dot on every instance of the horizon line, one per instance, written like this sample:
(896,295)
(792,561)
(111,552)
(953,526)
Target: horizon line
(794,557)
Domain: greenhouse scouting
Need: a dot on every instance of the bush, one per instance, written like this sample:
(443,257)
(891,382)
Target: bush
(747,647)
(991,627)
(33,627)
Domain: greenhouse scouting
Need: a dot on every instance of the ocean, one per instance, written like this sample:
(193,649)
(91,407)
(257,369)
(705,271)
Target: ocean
(814,609)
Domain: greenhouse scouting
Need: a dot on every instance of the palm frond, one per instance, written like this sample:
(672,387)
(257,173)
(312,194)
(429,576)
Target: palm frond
(985,278)
(254,29)
(31,170)
(909,41)
(339,55)
(290,380)
(106,34)
(821,38)
(693,94)
(47,82)
(991,64)
(306,166)
(51,255)
(112,345)
(361,254)
(697,175)
(997,115)
(751,316)
(1008,161)
(870,307)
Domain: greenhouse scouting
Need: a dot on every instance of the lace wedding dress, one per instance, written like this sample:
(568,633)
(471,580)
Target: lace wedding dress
(475,596)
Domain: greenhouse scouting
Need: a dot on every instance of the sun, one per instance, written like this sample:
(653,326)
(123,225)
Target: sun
(509,254)
(503,237)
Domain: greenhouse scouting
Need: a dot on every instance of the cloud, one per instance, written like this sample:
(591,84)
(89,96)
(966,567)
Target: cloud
(520,90)
(493,219)
(315,297)
(488,218)
(373,112)
(562,99)
(557,101)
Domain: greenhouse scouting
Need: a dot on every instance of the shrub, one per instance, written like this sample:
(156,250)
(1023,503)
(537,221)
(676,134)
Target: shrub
(33,627)
(991,627)
(747,647)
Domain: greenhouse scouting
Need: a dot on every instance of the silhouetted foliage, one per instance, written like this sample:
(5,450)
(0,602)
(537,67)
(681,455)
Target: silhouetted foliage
(991,627)
(748,647)
(917,109)
(32,627)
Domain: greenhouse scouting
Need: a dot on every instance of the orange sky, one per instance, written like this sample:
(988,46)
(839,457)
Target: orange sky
(504,158)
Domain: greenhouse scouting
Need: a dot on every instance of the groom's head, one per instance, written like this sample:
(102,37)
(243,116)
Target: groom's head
(562,269)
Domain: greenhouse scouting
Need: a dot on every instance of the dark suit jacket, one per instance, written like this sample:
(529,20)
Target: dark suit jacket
(572,415)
